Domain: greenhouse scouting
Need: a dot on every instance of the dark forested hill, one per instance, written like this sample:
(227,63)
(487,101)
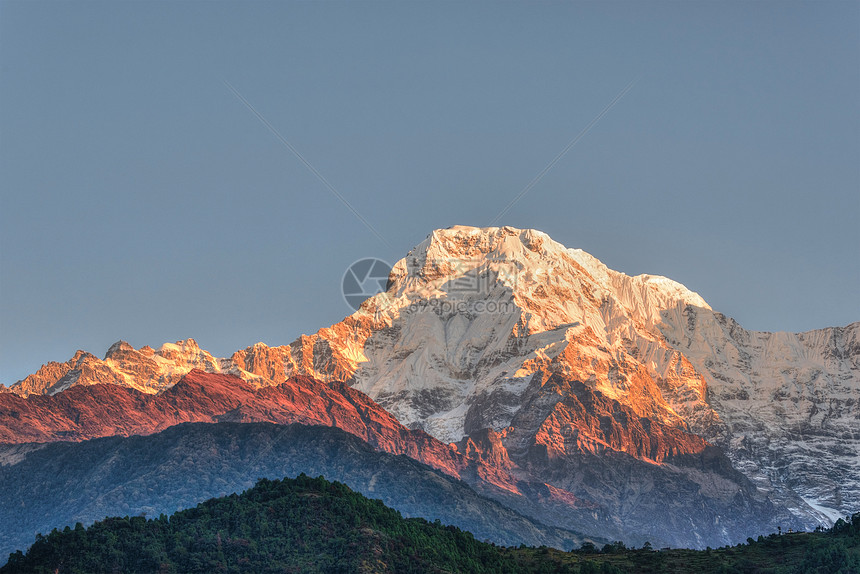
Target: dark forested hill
(313,525)
(301,525)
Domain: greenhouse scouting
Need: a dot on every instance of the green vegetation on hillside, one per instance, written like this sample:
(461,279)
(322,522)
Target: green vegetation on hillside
(301,525)
(313,525)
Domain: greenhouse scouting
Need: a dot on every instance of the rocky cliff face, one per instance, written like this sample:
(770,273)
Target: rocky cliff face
(790,404)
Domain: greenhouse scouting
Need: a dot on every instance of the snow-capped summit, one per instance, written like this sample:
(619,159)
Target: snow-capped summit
(472,314)
(529,267)
(147,370)
(475,320)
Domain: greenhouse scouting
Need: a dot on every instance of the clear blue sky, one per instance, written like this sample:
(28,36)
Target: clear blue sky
(142,201)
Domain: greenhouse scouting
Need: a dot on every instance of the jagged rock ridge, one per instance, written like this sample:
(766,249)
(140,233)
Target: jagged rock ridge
(561,487)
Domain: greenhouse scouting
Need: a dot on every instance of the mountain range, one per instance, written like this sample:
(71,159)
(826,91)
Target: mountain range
(62,483)
(620,407)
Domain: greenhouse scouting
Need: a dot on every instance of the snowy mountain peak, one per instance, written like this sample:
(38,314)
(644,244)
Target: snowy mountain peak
(146,370)
(476,320)
(118,348)
(551,284)
(505,329)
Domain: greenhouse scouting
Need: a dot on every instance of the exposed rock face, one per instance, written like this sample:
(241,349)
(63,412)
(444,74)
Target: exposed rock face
(790,403)
(639,475)
(561,418)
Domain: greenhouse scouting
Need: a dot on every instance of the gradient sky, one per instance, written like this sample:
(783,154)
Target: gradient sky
(142,201)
